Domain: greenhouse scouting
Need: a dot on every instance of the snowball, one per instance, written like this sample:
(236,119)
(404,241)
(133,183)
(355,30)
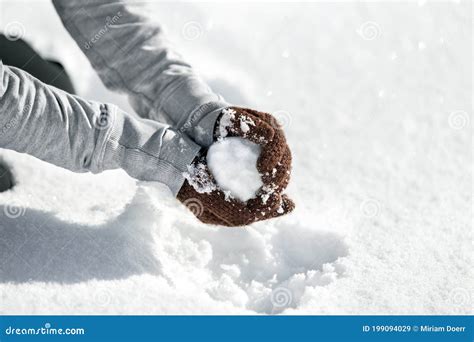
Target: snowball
(233,163)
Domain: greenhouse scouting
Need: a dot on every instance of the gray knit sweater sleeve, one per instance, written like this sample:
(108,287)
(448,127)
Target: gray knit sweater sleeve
(82,135)
(131,54)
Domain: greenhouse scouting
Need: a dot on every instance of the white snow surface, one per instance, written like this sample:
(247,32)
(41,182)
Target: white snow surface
(375,99)
(233,163)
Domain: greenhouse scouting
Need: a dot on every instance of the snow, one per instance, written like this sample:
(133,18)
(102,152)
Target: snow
(199,178)
(233,163)
(228,114)
(382,184)
(227,118)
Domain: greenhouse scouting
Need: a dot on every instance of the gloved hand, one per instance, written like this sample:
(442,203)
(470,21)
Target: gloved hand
(210,204)
(202,195)
(274,163)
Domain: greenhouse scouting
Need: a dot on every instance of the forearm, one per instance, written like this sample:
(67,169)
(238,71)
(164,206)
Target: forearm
(82,135)
(132,55)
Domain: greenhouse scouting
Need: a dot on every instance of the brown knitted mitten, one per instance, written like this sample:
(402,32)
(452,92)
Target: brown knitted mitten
(202,195)
(210,204)
(274,162)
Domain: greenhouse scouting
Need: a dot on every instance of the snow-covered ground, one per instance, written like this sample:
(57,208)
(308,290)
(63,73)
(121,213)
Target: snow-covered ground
(376,100)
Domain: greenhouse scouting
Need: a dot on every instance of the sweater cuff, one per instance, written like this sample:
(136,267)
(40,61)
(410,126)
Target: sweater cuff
(201,122)
(147,151)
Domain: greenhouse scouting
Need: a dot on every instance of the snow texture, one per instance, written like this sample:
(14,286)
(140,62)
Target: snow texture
(233,163)
(375,99)
(228,115)
(199,178)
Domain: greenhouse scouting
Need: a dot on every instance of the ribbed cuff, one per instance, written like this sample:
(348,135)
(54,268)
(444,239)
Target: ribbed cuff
(147,151)
(201,123)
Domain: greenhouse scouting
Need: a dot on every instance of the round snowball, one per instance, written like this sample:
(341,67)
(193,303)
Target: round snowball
(233,163)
